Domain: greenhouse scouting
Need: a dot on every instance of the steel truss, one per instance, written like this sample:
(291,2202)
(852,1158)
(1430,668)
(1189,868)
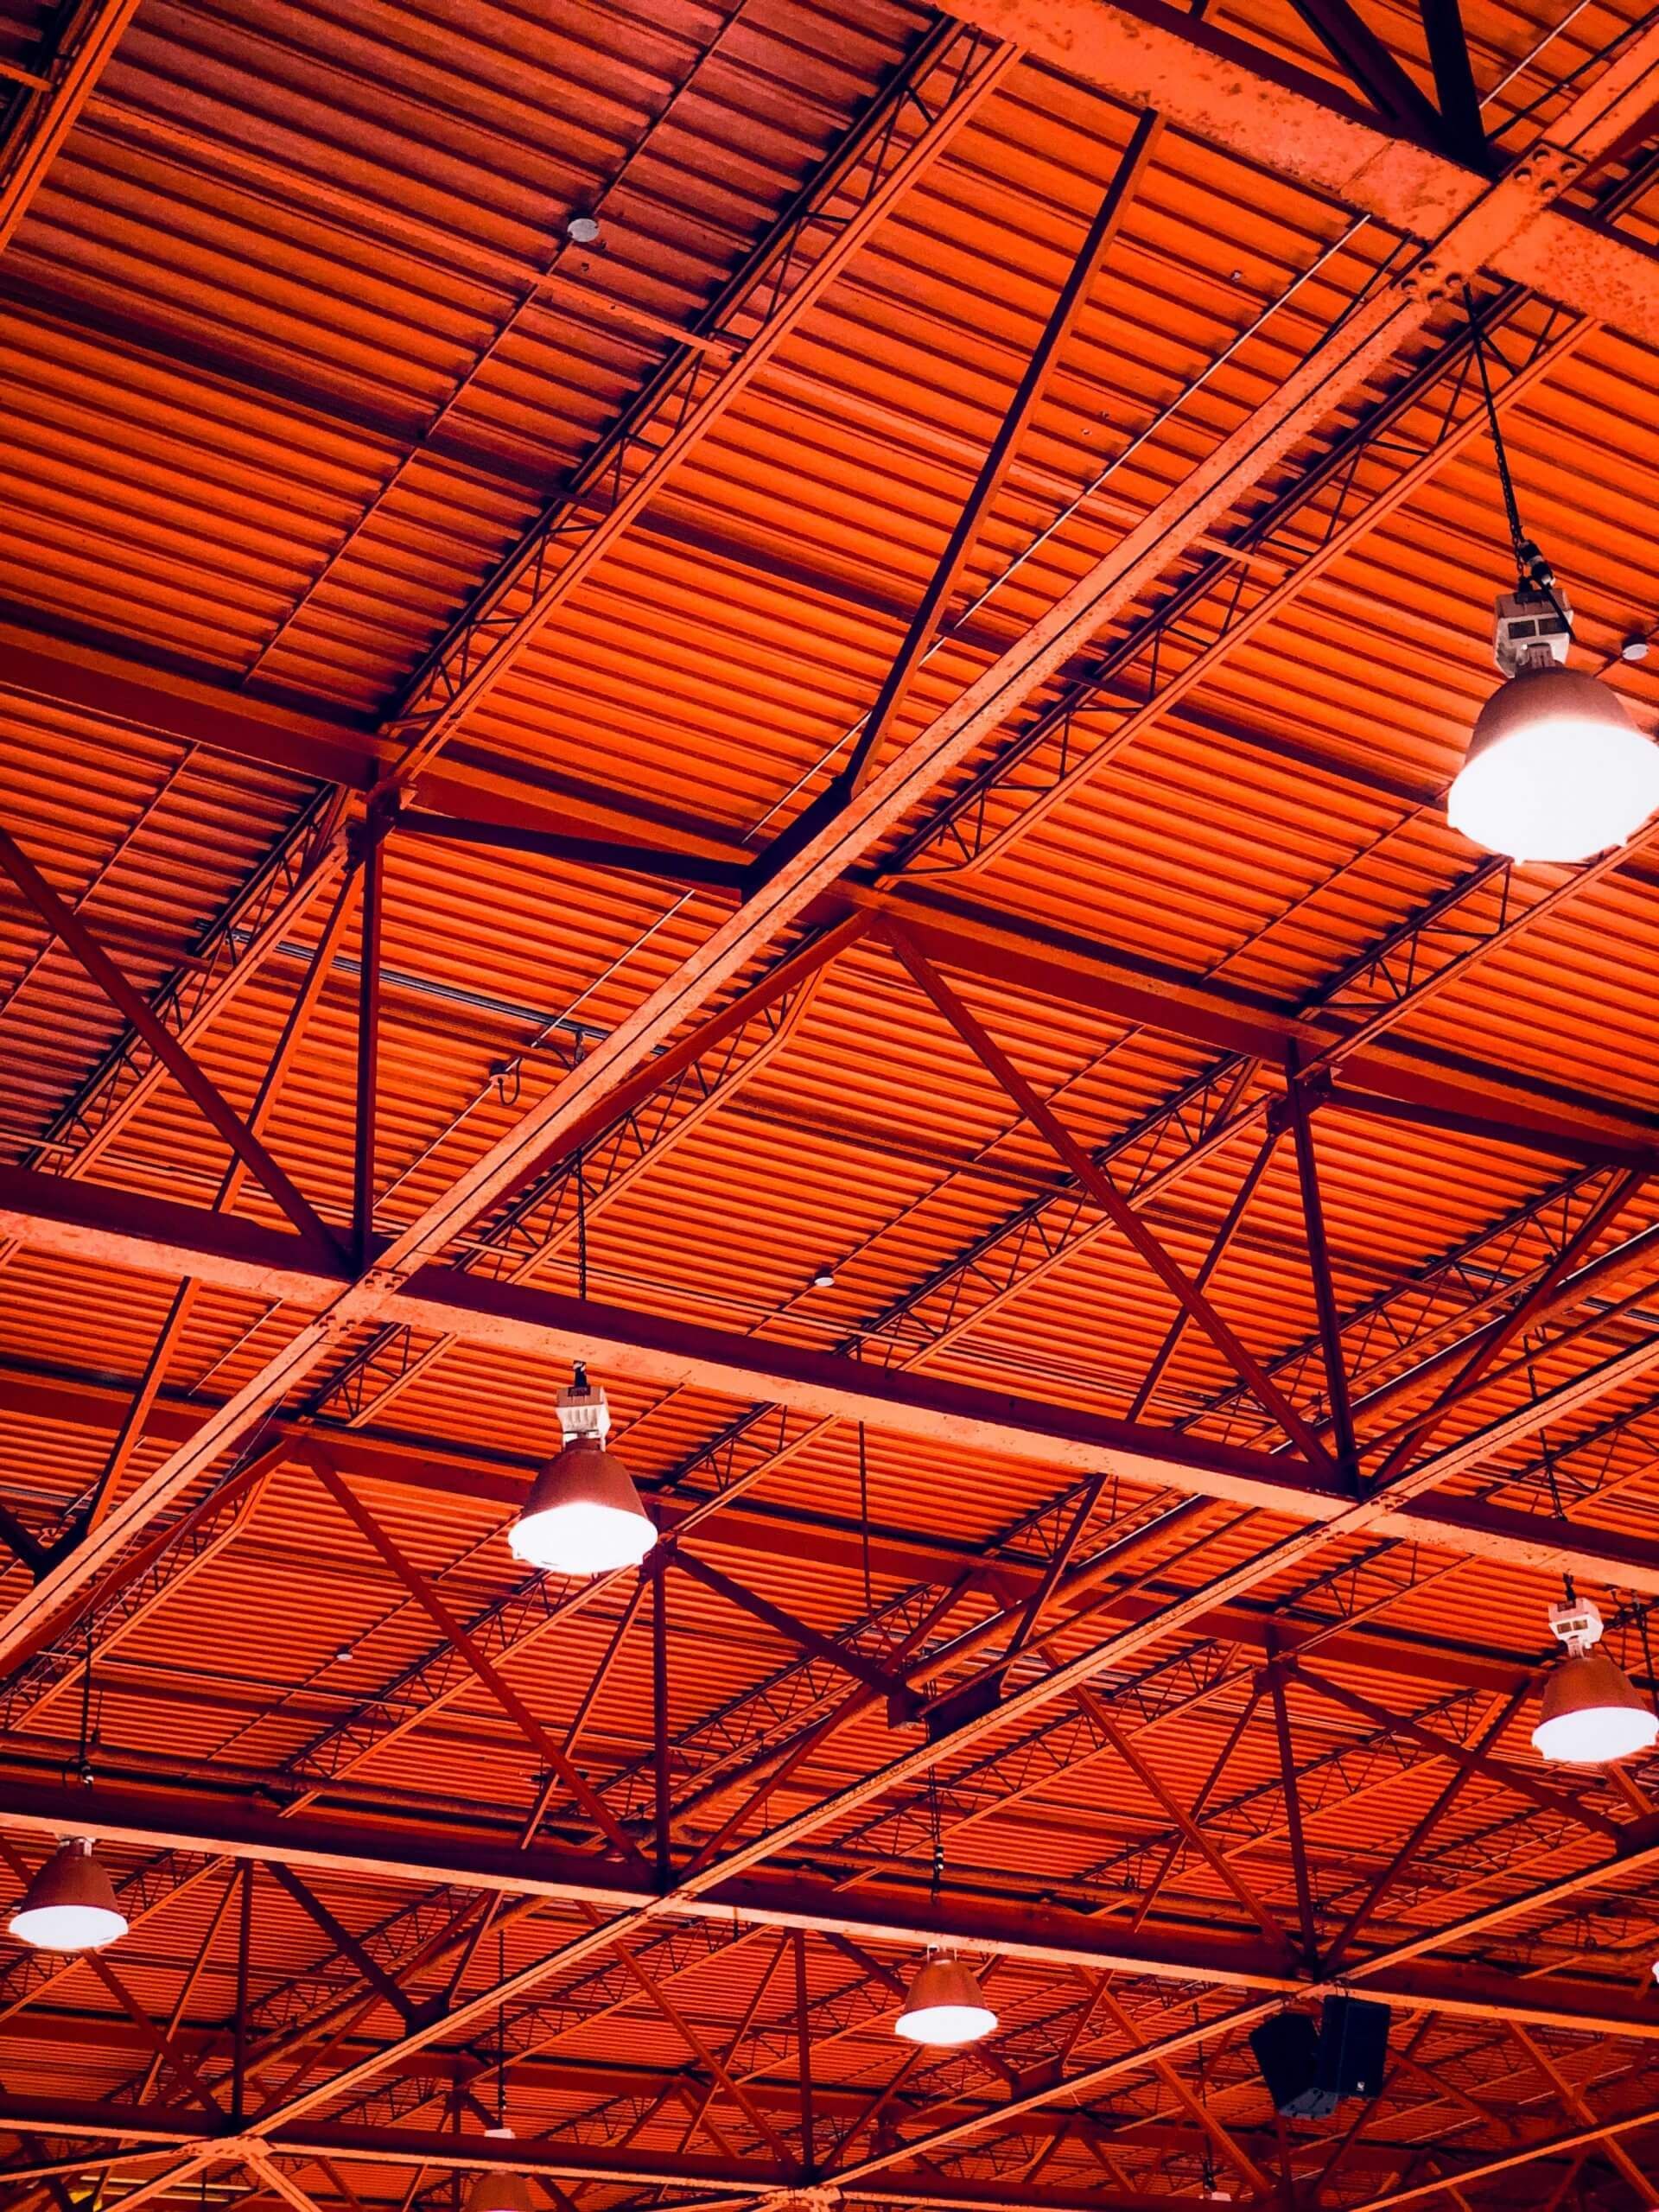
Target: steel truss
(1364,476)
(793,1832)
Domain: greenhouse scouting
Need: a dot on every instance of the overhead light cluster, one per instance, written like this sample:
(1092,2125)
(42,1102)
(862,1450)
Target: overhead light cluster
(1555,770)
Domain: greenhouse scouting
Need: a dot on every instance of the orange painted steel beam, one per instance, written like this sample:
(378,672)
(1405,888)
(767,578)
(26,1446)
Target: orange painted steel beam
(1467,1758)
(558,2161)
(1072,297)
(904,1919)
(439,1465)
(289,1041)
(50,112)
(93,1223)
(976,940)
(1232,94)
(1106,1194)
(729,950)
(688,398)
(321,860)
(1593,123)
(959,933)
(70,1574)
(1509,2162)
(322,745)
(727,1872)
(450,1626)
(562,2075)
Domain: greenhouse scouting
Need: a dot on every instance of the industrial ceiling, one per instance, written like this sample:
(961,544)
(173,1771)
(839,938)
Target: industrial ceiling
(757,695)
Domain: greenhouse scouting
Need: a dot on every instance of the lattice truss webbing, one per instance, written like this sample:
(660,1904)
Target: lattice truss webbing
(406,1933)
(1052,1249)
(803,1687)
(538,2025)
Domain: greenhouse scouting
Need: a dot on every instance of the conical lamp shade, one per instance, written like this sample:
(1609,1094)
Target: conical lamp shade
(583,1515)
(500,2192)
(1555,770)
(70,1905)
(1593,1712)
(946,2006)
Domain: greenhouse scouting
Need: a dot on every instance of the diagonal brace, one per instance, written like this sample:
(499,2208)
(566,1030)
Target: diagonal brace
(508,1698)
(867,1671)
(67,927)
(1105,1193)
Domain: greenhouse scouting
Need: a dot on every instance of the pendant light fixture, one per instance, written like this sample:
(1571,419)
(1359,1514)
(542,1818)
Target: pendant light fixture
(502,2191)
(1555,769)
(70,1905)
(583,1515)
(1592,1713)
(946,2006)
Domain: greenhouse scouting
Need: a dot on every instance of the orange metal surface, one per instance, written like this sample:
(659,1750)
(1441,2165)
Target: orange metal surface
(296,347)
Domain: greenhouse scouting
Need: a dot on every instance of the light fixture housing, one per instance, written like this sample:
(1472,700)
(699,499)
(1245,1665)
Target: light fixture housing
(945,2007)
(583,1515)
(1592,1713)
(499,2191)
(1555,769)
(70,1905)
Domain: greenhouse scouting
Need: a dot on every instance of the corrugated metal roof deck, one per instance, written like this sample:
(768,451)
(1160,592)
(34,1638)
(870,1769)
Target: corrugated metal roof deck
(295,348)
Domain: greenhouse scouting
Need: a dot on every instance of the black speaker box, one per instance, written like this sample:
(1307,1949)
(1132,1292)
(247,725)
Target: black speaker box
(1353,2047)
(1287,2048)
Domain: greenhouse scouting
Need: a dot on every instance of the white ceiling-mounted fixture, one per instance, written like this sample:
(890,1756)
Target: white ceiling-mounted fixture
(583,1515)
(1555,769)
(1593,1712)
(70,1905)
(945,2006)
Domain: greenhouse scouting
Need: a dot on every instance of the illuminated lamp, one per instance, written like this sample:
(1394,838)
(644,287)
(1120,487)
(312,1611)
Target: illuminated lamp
(583,1515)
(1555,770)
(946,2006)
(70,1905)
(1593,1712)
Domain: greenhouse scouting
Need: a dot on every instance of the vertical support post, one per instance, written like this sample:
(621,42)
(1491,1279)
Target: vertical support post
(1105,1193)
(368,1037)
(1319,1260)
(243,1946)
(659,1723)
(803,2049)
(265,1105)
(1294,1819)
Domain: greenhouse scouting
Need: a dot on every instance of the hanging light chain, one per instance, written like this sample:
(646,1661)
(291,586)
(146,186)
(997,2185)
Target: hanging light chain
(1532,571)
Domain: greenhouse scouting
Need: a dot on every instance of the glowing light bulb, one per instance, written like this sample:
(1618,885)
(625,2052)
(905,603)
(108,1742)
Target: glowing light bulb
(1555,770)
(945,2007)
(583,1515)
(70,1905)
